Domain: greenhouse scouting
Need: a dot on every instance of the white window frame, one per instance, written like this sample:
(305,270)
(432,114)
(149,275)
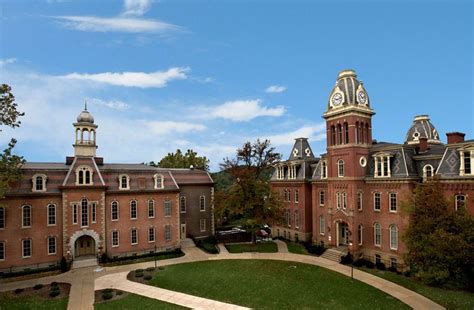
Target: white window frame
(322,198)
(340,168)
(152,208)
(292,172)
(3,250)
(29,216)
(202,203)
(297,196)
(167,206)
(182,203)
(379,244)
(112,238)
(427,168)
(47,214)
(324,169)
(462,160)
(136,209)
(82,213)
(93,212)
(338,200)
(393,233)
(159,181)
(288,217)
(168,234)
(55,245)
(23,248)
(150,229)
(127,180)
(75,213)
(360,201)
(392,196)
(84,168)
(3,218)
(322,225)
(44,178)
(344,200)
(457,200)
(297,218)
(379,194)
(202,225)
(136,236)
(382,165)
(360,234)
(112,211)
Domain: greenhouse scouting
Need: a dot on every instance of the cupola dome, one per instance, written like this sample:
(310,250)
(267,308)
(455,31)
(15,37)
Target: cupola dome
(348,91)
(85,116)
(422,128)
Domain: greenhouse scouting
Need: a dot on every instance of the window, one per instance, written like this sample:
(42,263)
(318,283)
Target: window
(288,217)
(74,213)
(182,204)
(346,133)
(134,236)
(377,200)
(2,217)
(338,200)
(2,250)
(84,176)
(297,195)
(114,210)
(292,172)
(321,198)
(51,215)
(93,212)
(115,238)
(393,202)
(333,135)
(357,133)
(344,200)
(324,170)
(339,134)
(280,173)
(26,216)
(151,208)
(124,181)
(393,237)
(297,219)
(202,225)
(202,203)
(460,201)
(467,161)
(167,207)
(322,227)
(393,263)
(39,183)
(288,193)
(26,248)
(133,209)
(360,200)
(378,259)
(158,181)
(340,168)
(377,234)
(168,232)
(84,213)
(51,245)
(360,231)
(427,172)
(151,234)
(382,165)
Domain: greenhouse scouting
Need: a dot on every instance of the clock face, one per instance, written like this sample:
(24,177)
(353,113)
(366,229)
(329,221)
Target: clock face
(337,99)
(362,97)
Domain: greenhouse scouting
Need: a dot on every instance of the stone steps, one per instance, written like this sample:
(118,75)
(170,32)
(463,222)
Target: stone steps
(187,243)
(81,263)
(335,254)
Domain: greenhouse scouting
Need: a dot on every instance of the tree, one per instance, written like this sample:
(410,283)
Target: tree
(9,164)
(440,239)
(250,198)
(180,160)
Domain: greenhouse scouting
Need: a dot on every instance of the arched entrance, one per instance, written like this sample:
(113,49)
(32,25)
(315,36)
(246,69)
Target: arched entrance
(342,234)
(84,246)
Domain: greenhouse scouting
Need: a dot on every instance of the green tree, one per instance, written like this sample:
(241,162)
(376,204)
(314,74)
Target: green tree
(440,239)
(9,164)
(180,160)
(250,199)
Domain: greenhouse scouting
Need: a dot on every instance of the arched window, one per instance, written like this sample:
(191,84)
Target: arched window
(322,227)
(114,210)
(151,208)
(84,175)
(340,168)
(427,172)
(362,133)
(202,203)
(333,135)
(346,133)
(124,181)
(84,213)
(324,170)
(360,232)
(344,200)
(338,201)
(26,216)
(377,234)
(39,183)
(393,237)
(158,181)
(339,134)
(133,209)
(366,133)
(357,137)
(51,215)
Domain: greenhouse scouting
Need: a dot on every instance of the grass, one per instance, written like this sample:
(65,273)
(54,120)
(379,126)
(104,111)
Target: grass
(273,285)
(12,302)
(132,301)
(450,299)
(296,248)
(262,247)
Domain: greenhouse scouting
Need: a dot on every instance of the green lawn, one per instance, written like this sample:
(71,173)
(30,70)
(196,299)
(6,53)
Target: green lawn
(447,298)
(138,302)
(262,247)
(11,302)
(273,285)
(296,248)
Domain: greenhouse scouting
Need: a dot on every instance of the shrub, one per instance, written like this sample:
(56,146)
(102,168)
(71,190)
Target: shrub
(369,265)
(38,286)
(139,270)
(314,248)
(392,269)
(346,259)
(54,293)
(19,290)
(161,268)
(150,269)
(360,262)
(407,273)
(147,277)
(380,266)
(64,264)
(119,293)
(107,294)
(138,273)
(54,284)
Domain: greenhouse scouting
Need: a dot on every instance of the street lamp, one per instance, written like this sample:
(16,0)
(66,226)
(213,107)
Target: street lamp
(155,256)
(351,215)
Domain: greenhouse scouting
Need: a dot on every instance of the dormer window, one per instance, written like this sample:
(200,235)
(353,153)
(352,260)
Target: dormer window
(427,172)
(280,173)
(124,181)
(382,166)
(292,172)
(324,170)
(159,184)
(39,183)
(466,158)
(84,176)
(340,168)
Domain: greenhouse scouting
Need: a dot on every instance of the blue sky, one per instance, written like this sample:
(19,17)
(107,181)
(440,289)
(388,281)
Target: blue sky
(210,75)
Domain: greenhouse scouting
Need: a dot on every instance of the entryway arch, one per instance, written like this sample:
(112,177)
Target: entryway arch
(84,243)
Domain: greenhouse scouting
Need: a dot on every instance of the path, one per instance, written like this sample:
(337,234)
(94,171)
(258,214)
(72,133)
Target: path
(282,246)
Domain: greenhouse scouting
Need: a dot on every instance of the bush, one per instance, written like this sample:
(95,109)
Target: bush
(314,248)
(54,293)
(161,268)
(360,262)
(380,266)
(118,293)
(150,269)
(346,259)
(64,265)
(19,290)
(207,244)
(38,286)
(107,294)
(139,270)
(138,273)
(54,284)
(147,277)
(392,269)
(407,273)
(369,265)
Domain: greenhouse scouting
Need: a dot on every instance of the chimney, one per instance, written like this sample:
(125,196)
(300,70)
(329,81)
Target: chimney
(455,137)
(423,144)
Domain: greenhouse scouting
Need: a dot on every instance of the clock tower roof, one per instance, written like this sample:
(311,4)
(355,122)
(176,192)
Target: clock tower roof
(422,128)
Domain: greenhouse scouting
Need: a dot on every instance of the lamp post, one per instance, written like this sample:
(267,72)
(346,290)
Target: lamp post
(155,256)
(351,215)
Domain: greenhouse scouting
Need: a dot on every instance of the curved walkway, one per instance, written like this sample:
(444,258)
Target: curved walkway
(85,281)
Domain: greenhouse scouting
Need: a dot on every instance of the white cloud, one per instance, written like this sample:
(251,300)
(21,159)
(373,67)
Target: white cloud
(316,132)
(136,7)
(157,79)
(117,24)
(166,127)
(112,104)
(244,110)
(275,89)
(7,61)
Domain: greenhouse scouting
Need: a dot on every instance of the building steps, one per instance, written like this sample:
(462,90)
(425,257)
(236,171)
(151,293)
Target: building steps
(84,262)
(335,254)
(187,243)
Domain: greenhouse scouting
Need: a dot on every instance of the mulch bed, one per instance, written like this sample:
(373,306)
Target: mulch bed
(117,294)
(43,292)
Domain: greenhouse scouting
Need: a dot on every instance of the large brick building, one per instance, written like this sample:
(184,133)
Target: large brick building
(352,194)
(85,207)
